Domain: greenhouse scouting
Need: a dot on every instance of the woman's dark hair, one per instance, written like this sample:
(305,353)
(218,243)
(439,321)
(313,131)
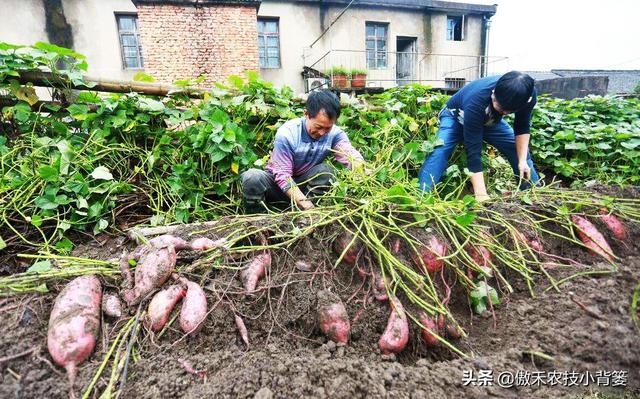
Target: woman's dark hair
(514,90)
(323,100)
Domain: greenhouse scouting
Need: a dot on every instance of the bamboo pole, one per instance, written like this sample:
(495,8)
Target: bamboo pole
(47,79)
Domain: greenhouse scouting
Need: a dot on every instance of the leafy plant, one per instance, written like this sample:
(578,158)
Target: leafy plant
(337,70)
(483,297)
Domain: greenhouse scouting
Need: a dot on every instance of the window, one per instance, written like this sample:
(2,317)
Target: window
(268,43)
(376,45)
(129,41)
(454,83)
(455,28)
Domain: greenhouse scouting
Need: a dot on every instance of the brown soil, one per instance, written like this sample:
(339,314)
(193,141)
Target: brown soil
(289,358)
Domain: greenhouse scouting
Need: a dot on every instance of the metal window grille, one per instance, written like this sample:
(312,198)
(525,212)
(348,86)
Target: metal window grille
(376,45)
(269,43)
(130,47)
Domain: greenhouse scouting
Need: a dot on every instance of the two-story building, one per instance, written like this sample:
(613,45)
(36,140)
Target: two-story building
(440,43)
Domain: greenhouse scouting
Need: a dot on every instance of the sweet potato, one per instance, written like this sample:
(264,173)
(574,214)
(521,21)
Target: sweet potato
(342,242)
(194,308)
(533,243)
(482,257)
(153,269)
(452,331)
(254,271)
(74,324)
(614,225)
(379,287)
(204,244)
(167,240)
(111,305)
(332,317)
(162,305)
(242,329)
(591,237)
(396,335)
(429,332)
(427,258)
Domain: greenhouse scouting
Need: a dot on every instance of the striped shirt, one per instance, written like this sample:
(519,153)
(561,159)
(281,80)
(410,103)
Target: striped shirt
(295,152)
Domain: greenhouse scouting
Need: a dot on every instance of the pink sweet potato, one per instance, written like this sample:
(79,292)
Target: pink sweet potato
(111,305)
(380,287)
(614,225)
(332,317)
(194,308)
(429,333)
(162,305)
(396,335)
(242,329)
(342,242)
(74,324)
(591,237)
(204,243)
(533,243)
(153,269)
(427,258)
(167,240)
(254,271)
(482,257)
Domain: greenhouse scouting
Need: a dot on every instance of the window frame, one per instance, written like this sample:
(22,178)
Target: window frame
(377,53)
(455,83)
(265,35)
(136,35)
(463,23)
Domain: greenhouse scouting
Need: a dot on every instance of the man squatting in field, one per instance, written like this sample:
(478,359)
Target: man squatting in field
(296,172)
(475,114)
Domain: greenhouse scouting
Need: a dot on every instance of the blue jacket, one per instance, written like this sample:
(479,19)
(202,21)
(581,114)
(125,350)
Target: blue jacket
(471,107)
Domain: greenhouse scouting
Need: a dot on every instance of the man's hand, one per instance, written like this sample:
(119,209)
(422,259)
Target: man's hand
(525,170)
(482,197)
(305,205)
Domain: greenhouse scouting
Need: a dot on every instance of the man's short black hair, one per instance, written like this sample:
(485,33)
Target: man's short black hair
(323,100)
(514,90)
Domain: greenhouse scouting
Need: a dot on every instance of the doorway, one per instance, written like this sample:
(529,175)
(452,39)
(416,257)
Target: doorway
(406,59)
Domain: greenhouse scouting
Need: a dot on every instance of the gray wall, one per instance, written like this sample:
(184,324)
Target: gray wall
(620,81)
(93,25)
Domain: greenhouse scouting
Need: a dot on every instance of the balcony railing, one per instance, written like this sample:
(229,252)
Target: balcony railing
(391,69)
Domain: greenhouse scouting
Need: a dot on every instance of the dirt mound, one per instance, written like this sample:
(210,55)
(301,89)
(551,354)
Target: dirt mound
(573,348)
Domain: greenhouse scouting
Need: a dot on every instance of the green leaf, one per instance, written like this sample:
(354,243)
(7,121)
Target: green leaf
(36,220)
(101,225)
(575,146)
(42,288)
(101,173)
(48,173)
(149,104)
(236,81)
(3,244)
(466,219)
(217,156)
(64,246)
(398,195)
(631,144)
(143,77)
(78,111)
(40,266)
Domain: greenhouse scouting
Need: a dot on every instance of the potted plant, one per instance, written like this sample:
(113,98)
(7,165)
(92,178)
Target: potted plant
(358,77)
(339,77)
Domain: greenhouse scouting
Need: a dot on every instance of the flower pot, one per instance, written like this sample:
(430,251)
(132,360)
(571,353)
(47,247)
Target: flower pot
(340,81)
(359,80)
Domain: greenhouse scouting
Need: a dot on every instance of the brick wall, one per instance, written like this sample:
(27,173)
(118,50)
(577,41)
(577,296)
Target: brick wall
(183,41)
